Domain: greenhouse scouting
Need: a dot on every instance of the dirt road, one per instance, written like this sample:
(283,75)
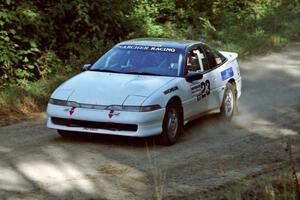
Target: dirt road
(35,163)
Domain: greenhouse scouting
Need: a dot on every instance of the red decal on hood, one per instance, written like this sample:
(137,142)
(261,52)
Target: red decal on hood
(72,110)
(111,114)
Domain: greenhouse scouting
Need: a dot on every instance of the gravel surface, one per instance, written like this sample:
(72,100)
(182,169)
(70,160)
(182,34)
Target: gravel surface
(36,163)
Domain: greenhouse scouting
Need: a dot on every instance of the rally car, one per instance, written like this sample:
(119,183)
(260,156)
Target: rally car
(147,87)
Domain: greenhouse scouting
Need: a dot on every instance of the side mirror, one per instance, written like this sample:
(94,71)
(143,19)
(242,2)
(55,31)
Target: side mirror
(86,67)
(193,76)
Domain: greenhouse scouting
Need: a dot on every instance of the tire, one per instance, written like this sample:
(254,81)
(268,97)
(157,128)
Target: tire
(172,124)
(229,104)
(64,133)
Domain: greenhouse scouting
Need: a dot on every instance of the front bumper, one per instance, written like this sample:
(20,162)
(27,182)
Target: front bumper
(148,123)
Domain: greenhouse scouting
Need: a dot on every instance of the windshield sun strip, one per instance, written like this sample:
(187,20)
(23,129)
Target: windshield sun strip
(149,48)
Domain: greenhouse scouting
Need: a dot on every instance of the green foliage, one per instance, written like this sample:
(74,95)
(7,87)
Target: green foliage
(39,39)
(254,26)
(17,47)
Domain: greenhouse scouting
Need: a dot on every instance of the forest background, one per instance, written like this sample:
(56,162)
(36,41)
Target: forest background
(44,42)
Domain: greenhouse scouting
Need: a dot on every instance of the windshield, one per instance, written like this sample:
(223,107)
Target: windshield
(145,60)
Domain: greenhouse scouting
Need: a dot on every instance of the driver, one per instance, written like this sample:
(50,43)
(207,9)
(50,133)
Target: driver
(192,63)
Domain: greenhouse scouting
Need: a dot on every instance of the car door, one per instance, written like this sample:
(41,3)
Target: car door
(212,61)
(200,89)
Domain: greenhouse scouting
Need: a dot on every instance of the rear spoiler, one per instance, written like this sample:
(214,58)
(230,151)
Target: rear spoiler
(230,55)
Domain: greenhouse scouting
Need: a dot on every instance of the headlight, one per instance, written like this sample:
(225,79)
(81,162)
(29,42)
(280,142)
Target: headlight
(59,102)
(134,108)
(150,108)
(73,104)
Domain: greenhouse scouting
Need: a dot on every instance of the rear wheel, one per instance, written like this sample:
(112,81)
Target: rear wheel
(229,102)
(172,124)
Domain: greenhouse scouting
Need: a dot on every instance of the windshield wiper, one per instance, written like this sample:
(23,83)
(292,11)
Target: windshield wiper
(104,70)
(137,73)
(143,73)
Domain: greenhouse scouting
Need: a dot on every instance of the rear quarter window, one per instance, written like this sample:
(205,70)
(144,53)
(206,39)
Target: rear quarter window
(214,57)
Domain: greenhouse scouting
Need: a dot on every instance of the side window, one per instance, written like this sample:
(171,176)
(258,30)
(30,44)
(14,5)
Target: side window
(192,62)
(196,61)
(214,58)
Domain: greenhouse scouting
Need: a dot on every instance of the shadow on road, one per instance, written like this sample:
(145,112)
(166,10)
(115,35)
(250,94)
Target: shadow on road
(133,141)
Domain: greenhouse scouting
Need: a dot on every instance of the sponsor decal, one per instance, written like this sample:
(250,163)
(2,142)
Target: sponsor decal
(173,89)
(196,88)
(72,110)
(204,90)
(112,113)
(90,129)
(226,74)
(148,48)
(201,89)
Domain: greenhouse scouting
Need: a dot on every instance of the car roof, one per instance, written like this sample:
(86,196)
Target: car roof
(161,42)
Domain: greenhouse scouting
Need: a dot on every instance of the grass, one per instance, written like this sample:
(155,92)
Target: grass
(280,184)
(158,176)
(277,182)
(22,102)
(275,186)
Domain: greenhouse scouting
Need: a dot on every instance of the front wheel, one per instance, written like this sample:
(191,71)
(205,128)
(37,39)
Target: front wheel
(229,102)
(172,124)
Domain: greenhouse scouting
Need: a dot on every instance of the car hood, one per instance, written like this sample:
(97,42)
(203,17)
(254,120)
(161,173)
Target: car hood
(102,88)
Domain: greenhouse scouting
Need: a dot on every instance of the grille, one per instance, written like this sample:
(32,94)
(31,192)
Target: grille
(96,125)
